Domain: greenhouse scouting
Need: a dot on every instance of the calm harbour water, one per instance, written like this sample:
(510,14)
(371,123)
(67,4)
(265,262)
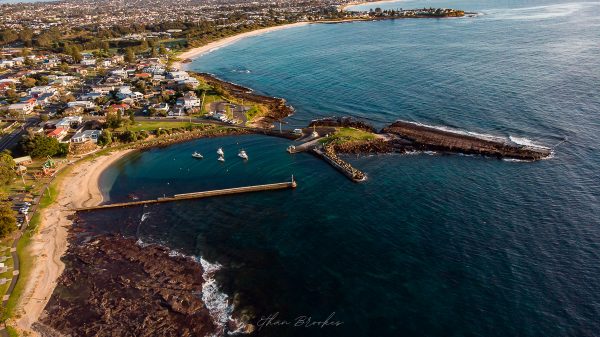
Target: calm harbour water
(436,245)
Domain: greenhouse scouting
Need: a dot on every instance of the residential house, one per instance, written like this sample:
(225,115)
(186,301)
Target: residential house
(162,107)
(88,62)
(58,133)
(87,105)
(22,108)
(85,136)
(68,122)
(178,75)
(177,111)
(189,100)
(42,89)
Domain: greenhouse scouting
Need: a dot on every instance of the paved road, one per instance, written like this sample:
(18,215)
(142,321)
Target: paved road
(11,140)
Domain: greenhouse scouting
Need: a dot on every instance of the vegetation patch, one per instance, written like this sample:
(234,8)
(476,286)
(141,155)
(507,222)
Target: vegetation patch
(344,135)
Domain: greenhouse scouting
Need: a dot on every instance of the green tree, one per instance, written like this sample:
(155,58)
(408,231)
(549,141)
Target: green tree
(76,54)
(29,82)
(129,136)
(7,168)
(8,221)
(105,138)
(162,50)
(129,55)
(39,146)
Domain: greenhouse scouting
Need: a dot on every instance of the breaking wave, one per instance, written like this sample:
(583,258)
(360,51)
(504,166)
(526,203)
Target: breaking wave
(526,142)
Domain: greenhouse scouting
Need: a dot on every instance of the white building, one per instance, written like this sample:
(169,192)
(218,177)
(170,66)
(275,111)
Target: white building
(83,104)
(23,107)
(87,135)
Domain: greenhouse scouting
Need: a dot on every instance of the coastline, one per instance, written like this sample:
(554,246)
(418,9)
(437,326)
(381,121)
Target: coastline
(199,51)
(80,187)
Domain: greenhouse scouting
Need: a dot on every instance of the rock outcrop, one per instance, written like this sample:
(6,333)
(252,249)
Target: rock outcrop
(113,287)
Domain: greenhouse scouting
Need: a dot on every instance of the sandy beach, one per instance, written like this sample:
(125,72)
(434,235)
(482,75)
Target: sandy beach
(196,52)
(78,188)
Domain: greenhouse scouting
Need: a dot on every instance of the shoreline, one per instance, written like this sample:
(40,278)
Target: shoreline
(207,48)
(80,187)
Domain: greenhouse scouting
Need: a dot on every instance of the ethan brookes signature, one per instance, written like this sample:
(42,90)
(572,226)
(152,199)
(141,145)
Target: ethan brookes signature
(273,320)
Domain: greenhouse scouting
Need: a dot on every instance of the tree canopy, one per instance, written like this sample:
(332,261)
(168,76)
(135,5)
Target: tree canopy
(7,168)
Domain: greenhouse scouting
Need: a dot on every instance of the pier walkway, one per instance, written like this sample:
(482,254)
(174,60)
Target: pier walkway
(198,195)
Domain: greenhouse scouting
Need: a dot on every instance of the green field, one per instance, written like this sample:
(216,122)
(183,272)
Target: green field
(153,125)
(349,134)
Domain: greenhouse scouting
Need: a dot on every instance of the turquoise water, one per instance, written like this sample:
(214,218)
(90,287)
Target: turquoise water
(435,245)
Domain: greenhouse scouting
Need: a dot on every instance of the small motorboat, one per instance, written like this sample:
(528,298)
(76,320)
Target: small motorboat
(221,159)
(243,155)
(197,155)
(220,152)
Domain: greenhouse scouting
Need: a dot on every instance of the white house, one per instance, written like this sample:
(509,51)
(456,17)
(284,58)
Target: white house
(66,122)
(190,80)
(88,62)
(83,104)
(178,75)
(42,89)
(189,101)
(7,63)
(87,135)
(23,107)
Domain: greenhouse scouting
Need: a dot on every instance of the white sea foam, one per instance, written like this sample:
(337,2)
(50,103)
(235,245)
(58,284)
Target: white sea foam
(145,216)
(462,132)
(214,299)
(526,142)
(217,302)
(141,243)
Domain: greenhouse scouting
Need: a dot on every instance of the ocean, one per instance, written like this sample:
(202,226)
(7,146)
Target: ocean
(430,244)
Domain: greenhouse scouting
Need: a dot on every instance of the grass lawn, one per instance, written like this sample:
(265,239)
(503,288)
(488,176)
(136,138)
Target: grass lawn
(153,125)
(349,134)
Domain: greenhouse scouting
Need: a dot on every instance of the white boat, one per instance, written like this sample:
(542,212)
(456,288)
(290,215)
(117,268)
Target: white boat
(243,155)
(197,155)
(221,159)
(220,152)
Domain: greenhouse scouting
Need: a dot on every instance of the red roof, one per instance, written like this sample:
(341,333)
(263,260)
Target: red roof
(120,106)
(55,132)
(142,75)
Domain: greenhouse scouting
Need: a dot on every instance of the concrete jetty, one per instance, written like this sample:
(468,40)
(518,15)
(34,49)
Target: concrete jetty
(198,195)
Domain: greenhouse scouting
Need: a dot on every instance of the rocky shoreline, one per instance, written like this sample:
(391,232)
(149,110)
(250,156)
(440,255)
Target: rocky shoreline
(113,286)
(277,107)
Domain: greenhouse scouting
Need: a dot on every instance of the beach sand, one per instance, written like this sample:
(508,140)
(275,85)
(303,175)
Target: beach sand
(79,188)
(196,52)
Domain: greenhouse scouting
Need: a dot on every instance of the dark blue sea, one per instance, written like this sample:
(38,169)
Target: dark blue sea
(430,244)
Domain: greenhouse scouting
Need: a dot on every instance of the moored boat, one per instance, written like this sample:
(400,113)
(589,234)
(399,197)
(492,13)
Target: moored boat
(243,155)
(220,152)
(197,155)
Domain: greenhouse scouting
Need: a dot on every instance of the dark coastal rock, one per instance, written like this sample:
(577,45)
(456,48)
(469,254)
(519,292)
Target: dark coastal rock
(113,287)
(433,139)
